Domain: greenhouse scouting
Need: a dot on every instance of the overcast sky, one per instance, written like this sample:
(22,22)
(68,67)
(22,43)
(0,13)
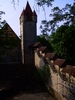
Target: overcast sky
(12,14)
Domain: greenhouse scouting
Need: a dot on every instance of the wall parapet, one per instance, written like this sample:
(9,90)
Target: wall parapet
(62,77)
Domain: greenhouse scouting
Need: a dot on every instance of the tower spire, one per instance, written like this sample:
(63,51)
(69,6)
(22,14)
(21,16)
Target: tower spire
(34,13)
(28,8)
(28,12)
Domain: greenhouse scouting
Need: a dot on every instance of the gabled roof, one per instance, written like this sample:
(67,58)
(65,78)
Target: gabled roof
(9,30)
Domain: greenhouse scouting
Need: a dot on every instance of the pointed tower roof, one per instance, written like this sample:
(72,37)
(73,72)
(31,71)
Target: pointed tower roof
(28,9)
(28,12)
(23,13)
(34,13)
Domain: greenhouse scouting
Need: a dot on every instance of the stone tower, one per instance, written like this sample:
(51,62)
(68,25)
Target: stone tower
(28,20)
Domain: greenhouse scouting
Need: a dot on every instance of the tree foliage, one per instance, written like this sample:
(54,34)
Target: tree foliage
(44,2)
(66,16)
(39,2)
(62,37)
(44,42)
(63,42)
(2,22)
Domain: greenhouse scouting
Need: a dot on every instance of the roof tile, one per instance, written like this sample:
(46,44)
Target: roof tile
(28,12)
(59,62)
(69,69)
(34,13)
(50,55)
(36,44)
(42,48)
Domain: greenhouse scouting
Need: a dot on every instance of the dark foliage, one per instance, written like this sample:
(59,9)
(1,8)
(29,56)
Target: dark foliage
(44,42)
(63,42)
(65,16)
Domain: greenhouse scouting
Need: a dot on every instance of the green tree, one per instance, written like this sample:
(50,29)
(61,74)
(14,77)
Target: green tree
(63,42)
(44,41)
(2,22)
(62,37)
(39,2)
(65,16)
(44,2)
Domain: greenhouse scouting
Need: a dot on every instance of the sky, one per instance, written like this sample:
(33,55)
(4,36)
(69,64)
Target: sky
(12,14)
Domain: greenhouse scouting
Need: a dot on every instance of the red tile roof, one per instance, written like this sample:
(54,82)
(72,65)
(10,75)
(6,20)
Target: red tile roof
(34,13)
(23,12)
(50,55)
(28,12)
(73,71)
(36,44)
(69,69)
(59,62)
(42,48)
(28,9)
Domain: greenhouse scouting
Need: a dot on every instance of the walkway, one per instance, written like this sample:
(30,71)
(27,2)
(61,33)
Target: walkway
(36,96)
(22,83)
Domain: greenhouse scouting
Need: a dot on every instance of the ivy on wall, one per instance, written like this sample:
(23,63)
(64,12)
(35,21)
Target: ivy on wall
(45,72)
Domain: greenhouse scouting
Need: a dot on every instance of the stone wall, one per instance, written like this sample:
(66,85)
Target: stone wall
(62,84)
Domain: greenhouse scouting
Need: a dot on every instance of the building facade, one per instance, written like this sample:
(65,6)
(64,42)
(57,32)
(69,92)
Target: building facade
(58,76)
(10,50)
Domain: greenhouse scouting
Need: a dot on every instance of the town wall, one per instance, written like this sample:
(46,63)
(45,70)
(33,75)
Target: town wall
(62,85)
